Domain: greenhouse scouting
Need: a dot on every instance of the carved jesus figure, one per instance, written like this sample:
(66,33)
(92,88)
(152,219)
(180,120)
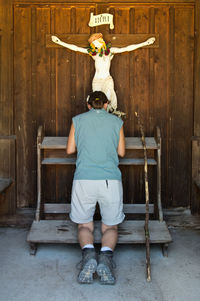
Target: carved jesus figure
(102,54)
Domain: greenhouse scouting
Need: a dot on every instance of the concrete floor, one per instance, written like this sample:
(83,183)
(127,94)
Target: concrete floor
(51,274)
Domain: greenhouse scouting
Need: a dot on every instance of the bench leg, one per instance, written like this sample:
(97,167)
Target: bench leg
(165,249)
(33,248)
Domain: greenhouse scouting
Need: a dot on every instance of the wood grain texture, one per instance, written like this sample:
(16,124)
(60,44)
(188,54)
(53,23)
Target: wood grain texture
(160,102)
(55,231)
(51,85)
(23,108)
(6,68)
(7,170)
(77,2)
(195,197)
(195,200)
(131,142)
(7,141)
(65,208)
(181,108)
(197,71)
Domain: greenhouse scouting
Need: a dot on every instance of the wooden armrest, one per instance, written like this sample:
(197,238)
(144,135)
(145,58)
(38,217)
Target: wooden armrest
(40,134)
(158,136)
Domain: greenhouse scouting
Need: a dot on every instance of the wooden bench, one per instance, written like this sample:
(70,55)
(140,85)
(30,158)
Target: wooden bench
(51,151)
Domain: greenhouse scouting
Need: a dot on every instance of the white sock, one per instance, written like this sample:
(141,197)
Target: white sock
(106,249)
(89,246)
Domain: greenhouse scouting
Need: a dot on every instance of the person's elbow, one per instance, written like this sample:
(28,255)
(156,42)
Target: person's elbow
(122,145)
(71,144)
(70,151)
(121,152)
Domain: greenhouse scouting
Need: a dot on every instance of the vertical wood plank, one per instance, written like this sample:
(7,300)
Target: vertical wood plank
(33,101)
(23,108)
(195,202)
(184,54)
(130,175)
(197,71)
(64,64)
(7,146)
(73,62)
(49,174)
(63,75)
(6,67)
(53,75)
(171,87)
(119,66)
(43,97)
(160,101)
(140,96)
(131,104)
(7,170)
(182,119)
(44,101)
(83,82)
(151,73)
(141,65)
(63,99)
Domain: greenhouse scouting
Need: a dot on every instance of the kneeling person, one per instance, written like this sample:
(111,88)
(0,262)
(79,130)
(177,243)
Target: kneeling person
(98,138)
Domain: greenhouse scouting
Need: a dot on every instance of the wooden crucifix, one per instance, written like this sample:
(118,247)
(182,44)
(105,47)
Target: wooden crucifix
(102,53)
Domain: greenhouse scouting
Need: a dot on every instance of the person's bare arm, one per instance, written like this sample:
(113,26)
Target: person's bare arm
(71,144)
(121,145)
(115,50)
(69,46)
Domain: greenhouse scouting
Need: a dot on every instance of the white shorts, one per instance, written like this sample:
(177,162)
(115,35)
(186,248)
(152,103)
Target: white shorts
(86,194)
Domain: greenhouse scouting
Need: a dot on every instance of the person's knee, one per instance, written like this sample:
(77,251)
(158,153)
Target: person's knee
(106,228)
(86,227)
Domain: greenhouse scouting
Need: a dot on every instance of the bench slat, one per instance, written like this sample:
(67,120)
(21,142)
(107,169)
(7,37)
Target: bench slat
(62,231)
(131,143)
(53,208)
(72,161)
(59,161)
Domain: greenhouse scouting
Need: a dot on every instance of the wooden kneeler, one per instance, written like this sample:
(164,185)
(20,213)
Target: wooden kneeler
(64,231)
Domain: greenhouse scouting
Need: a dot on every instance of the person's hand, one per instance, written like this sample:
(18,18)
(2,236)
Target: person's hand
(150,41)
(55,39)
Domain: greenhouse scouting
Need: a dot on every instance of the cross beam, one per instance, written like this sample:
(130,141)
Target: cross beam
(117,40)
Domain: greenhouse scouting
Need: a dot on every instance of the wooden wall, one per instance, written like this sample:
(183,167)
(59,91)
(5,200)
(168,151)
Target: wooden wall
(7,137)
(195,204)
(48,86)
